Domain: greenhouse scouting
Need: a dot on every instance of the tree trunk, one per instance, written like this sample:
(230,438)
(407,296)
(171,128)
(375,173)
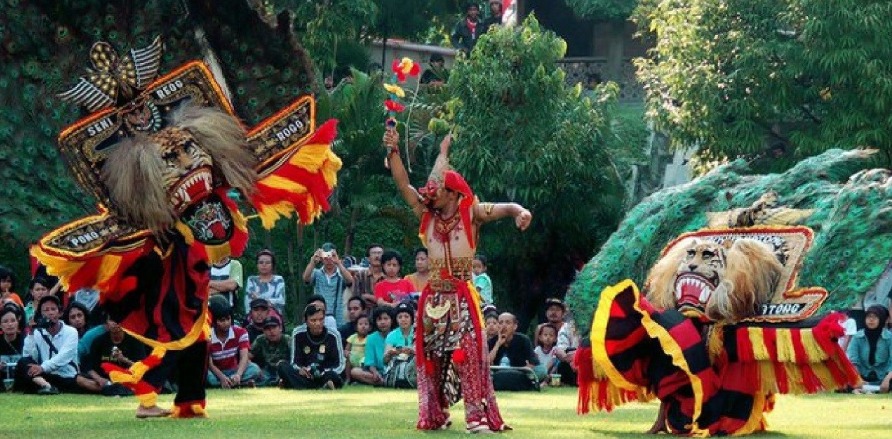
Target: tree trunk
(615,51)
(351,231)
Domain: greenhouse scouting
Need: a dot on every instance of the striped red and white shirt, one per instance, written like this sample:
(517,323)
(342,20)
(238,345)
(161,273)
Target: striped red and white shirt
(225,353)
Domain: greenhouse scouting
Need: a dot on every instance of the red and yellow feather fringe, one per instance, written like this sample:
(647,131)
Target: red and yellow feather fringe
(302,183)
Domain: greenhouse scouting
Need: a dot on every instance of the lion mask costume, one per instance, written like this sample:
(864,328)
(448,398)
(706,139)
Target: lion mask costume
(720,331)
(162,155)
(721,282)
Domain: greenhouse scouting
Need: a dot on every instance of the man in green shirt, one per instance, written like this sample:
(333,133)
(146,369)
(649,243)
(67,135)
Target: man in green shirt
(270,349)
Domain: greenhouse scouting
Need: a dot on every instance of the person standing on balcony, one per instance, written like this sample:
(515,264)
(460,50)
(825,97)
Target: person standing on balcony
(464,35)
(495,16)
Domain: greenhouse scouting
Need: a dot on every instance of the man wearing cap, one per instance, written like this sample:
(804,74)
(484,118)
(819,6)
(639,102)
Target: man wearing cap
(554,312)
(450,348)
(330,280)
(49,362)
(270,349)
(260,310)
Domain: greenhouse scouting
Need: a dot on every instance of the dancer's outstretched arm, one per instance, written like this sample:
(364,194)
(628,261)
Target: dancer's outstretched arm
(398,171)
(486,212)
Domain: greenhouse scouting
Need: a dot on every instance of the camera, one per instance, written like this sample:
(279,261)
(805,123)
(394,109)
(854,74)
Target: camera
(327,254)
(315,371)
(41,322)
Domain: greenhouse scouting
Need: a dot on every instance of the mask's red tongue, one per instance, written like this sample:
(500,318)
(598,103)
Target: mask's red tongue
(690,294)
(197,190)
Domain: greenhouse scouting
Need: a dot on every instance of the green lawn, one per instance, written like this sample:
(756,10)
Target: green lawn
(361,412)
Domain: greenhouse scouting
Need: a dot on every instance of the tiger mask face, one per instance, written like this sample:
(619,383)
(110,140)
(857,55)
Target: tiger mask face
(153,179)
(698,275)
(715,282)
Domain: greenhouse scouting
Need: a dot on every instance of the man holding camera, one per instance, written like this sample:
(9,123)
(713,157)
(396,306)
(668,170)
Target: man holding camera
(114,346)
(330,280)
(318,355)
(49,362)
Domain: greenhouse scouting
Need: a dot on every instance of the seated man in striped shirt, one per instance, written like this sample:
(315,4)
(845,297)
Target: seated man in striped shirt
(229,364)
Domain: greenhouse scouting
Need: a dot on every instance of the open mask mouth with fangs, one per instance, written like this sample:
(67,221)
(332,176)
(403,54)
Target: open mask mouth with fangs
(693,291)
(193,187)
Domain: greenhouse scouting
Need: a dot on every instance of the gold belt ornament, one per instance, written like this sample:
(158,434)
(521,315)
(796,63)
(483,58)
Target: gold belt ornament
(437,312)
(455,268)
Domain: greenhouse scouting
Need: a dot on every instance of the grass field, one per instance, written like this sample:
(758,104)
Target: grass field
(361,412)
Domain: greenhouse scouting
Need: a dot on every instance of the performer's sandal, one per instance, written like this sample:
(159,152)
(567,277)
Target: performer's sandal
(481,427)
(152,412)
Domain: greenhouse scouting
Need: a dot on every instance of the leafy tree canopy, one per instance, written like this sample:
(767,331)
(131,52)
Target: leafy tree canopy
(524,135)
(603,10)
(729,75)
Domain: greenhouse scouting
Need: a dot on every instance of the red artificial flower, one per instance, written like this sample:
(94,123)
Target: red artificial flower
(394,106)
(405,67)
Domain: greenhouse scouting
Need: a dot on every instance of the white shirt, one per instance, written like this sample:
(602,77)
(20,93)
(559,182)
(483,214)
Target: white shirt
(851,328)
(567,338)
(64,362)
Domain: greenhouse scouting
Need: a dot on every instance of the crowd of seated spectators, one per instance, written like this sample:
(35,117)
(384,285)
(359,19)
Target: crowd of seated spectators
(357,327)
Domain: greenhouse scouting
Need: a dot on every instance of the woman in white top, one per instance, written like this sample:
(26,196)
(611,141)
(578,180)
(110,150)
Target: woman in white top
(266,285)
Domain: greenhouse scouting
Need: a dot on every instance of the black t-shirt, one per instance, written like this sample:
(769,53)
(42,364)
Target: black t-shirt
(101,349)
(12,348)
(519,350)
(324,350)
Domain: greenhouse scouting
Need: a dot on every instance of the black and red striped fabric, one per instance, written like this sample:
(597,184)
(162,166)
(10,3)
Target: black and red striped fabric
(712,379)
(161,297)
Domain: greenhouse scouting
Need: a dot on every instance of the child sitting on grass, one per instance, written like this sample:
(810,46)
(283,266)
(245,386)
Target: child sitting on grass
(356,347)
(372,371)
(546,337)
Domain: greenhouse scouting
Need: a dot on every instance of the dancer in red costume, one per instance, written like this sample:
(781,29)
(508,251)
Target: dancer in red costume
(450,343)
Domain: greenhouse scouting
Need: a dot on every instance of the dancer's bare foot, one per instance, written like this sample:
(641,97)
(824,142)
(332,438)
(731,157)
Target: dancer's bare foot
(151,412)
(660,424)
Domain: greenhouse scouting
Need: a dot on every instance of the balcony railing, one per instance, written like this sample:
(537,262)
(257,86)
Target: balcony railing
(578,69)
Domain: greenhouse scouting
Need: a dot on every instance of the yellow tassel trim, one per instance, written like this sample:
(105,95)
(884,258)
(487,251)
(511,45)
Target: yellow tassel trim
(197,409)
(277,182)
(270,213)
(122,377)
(148,400)
(60,267)
(475,305)
(812,348)
(198,330)
(756,421)
(785,351)
(760,351)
